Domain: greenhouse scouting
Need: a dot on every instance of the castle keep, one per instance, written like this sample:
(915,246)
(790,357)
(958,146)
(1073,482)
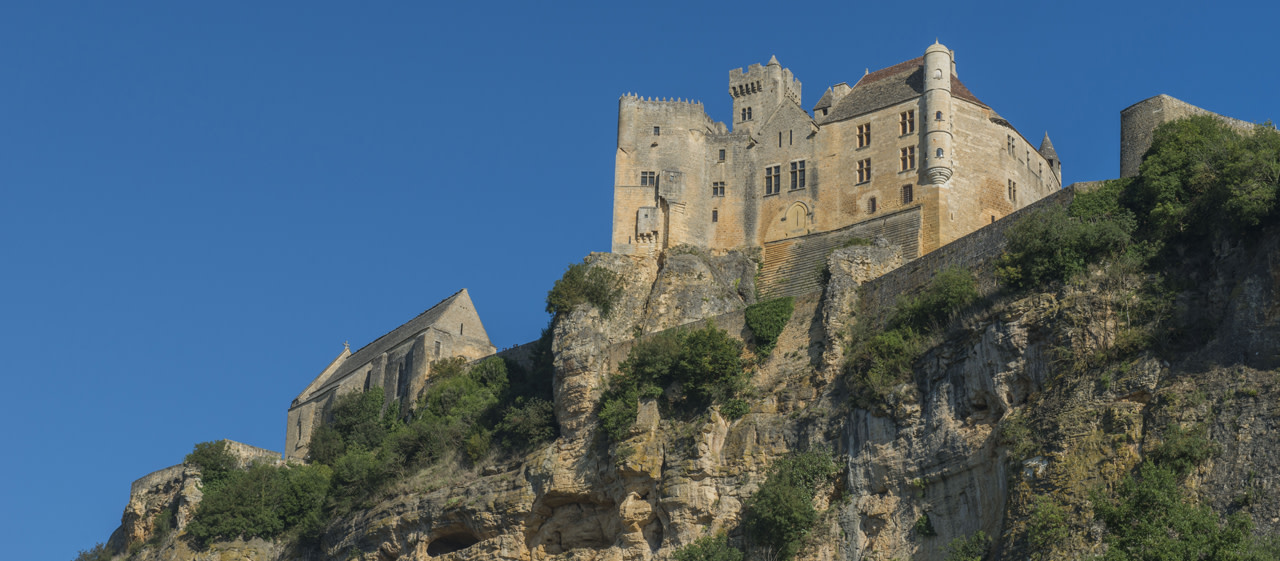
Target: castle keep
(907,147)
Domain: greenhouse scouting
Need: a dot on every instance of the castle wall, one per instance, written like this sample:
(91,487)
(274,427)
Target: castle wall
(1138,123)
(978,192)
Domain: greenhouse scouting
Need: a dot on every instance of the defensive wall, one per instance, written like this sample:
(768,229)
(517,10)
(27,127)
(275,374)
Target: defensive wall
(1138,122)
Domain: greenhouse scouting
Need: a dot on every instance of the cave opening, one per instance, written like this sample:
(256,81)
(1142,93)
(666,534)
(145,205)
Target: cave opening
(451,543)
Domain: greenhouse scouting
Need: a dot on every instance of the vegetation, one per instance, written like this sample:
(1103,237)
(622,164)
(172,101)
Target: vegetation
(972,548)
(1048,525)
(1152,518)
(766,320)
(924,526)
(264,501)
(99,552)
(709,548)
(691,369)
(584,284)
(877,361)
(781,512)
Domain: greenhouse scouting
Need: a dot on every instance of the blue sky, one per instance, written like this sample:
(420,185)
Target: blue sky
(200,202)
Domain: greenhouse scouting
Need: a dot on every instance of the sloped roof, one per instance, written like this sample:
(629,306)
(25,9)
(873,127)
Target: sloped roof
(889,86)
(824,101)
(388,341)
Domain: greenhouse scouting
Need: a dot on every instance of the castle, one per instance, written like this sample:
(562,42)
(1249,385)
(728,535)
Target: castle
(909,141)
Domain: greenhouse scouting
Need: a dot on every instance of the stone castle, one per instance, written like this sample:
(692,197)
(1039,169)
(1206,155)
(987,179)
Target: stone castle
(910,142)
(908,154)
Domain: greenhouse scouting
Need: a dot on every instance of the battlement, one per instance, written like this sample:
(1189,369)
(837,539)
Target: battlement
(767,78)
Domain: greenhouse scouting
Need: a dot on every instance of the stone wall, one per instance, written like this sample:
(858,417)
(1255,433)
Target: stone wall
(1139,121)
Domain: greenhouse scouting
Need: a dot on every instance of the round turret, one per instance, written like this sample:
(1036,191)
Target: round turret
(936,110)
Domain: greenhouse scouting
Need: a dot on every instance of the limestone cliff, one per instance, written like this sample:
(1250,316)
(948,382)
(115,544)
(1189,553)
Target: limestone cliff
(1017,398)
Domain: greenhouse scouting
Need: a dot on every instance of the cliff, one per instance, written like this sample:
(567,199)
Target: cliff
(940,447)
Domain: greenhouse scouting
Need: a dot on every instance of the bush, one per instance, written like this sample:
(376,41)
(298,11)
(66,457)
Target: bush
(99,552)
(924,526)
(972,548)
(1052,245)
(1017,437)
(1048,525)
(694,369)
(214,461)
(950,290)
(735,409)
(781,512)
(709,548)
(263,501)
(528,422)
(583,284)
(1182,450)
(766,321)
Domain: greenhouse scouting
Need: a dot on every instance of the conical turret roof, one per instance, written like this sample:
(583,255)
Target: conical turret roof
(1046,148)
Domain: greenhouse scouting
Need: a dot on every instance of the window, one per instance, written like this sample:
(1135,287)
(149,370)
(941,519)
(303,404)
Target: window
(715,215)
(437,349)
(779,139)
(1009,143)
(717,189)
(722,154)
(797,175)
(907,195)
(864,135)
(937,116)
(907,121)
(864,170)
(871,205)
(791,138)
(939,152)
(648,178)
(744,113)
(772,180)
(908,158)
(657,131)
(1013,191)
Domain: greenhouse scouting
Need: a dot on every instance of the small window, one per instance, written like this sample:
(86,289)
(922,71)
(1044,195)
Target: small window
(864,135)
(657,131)
(717,189)
(824,111)
(779,139)
(1013,191)
(648,178)
(864,170)
(791,138)
(939,152)
(907,194)
(908,157)
(871,205)
(907,121)
(715,215)
(460,329)
(748,113)
(937,116)
(797,175)
(437,349)
(722,154)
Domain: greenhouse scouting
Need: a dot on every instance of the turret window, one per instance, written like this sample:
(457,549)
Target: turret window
(908,157)
(864,170)
(772,180)
(937,116)
(864,135)
(648,178)
(907,121)
(939,152)
(717,189)
(797,175)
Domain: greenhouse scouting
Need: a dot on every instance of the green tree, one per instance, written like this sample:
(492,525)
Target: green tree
(214,461)
(972,548)
(709,548)
(766,321)
(584,284)
(781,512)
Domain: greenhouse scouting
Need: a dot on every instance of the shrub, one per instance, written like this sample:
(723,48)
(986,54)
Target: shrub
(766,321)
(781,512)
(735,409)
(924,526)
(1018,438)
(972,548)
(99,552)
(694,369)
(527,423)
(948,291)
(1182,450)
(583,284)
(214,461)
(709,548)
(263,501)
(1048,525)
(1052,245)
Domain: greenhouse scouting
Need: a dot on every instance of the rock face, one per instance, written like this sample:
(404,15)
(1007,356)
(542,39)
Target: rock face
(1024,399)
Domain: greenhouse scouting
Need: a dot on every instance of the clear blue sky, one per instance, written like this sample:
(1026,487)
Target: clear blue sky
(200,201)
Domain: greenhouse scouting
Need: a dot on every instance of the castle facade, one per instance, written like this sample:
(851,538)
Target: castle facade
(909,139)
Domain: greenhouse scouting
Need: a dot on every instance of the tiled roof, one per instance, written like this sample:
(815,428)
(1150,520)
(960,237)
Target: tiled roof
(889,86)
(1046,148)
(824,101)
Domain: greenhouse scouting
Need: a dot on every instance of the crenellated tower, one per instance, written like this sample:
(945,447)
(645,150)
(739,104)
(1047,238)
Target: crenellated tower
(936,107)
(759,91)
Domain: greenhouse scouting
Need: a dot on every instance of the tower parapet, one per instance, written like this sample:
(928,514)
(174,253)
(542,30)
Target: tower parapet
(758,90)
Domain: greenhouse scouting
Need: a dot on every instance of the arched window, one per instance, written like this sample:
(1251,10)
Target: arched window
(939,152)
(938,116)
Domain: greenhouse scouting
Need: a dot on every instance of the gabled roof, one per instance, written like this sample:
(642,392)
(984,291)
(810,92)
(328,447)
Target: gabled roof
(890,86)
(385,343)
(824,101)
